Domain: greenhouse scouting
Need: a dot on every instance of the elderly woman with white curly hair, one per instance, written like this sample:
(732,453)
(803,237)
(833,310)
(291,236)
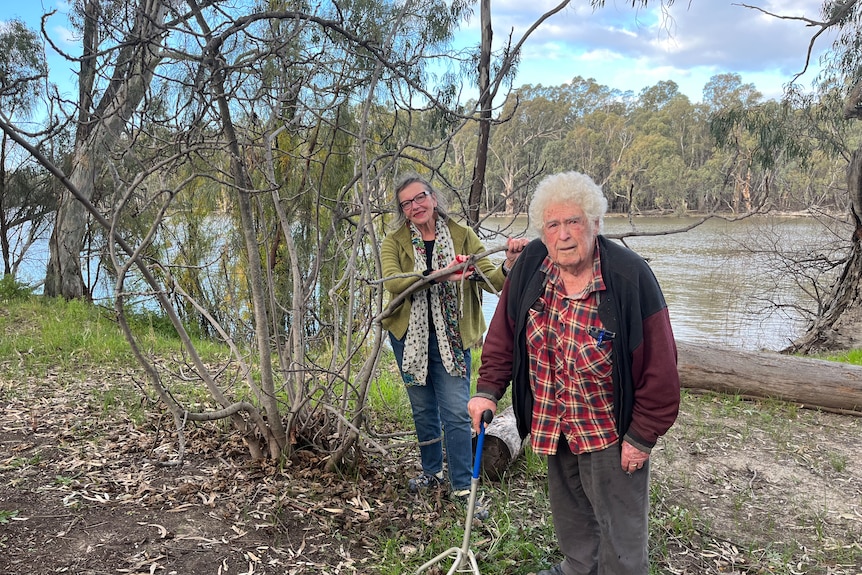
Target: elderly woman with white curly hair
(583,335)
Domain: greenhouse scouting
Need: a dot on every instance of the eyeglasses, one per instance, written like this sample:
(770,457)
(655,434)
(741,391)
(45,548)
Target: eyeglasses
(418,199)
(554,226)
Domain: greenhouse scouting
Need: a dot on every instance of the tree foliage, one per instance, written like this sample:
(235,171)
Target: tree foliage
(26,193)
(22,67)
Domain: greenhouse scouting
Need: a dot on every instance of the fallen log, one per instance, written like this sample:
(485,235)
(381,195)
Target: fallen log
(828,385)
(502,444)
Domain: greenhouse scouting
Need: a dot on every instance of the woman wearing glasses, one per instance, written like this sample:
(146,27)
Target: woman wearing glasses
(433,331)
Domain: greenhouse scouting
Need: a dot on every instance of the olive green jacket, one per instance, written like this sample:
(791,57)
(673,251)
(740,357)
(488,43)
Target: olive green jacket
(396,253)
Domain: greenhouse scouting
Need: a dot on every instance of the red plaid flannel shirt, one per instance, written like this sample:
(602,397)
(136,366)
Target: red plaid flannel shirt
(571,370)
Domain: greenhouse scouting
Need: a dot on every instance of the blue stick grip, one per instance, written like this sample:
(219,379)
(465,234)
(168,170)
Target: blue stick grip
(487,416)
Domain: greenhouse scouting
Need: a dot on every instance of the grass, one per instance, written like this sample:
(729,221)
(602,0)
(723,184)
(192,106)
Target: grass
(854,356)
(387,391)
(78,339)
(12,290)
(7,515)
(59,334)
(22,462)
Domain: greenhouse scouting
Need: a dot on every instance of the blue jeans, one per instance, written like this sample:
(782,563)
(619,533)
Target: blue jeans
(441,405)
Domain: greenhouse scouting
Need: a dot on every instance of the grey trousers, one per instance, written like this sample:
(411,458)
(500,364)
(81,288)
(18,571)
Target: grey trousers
(600,513)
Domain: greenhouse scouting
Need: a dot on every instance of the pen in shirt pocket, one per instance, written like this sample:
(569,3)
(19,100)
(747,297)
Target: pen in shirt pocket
(601,334)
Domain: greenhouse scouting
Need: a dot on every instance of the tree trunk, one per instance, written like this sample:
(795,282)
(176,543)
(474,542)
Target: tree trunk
(487,93)
(98,134)
(63,276)
(810,382)
(275,435)
(839,327)
(486,101)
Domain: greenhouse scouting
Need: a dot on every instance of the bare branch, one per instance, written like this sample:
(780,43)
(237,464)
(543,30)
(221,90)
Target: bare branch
(425,280)
(837,15)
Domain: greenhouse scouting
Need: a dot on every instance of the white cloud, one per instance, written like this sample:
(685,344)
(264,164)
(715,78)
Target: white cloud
(687,42)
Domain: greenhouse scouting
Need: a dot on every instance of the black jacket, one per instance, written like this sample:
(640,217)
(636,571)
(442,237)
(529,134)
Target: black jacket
(645,376)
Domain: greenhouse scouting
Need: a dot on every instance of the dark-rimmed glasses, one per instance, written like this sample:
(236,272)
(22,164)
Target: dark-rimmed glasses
(418,199)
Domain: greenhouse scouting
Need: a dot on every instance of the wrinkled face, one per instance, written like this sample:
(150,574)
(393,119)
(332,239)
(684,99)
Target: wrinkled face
(417,203)
(569,237)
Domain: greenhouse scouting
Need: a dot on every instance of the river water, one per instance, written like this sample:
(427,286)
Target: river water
(719,291)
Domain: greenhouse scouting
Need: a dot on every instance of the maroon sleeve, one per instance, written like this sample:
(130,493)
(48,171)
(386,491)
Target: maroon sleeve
(495,373)
(656,380)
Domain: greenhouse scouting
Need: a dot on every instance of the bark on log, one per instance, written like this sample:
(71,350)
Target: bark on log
(502,445)
(810,382)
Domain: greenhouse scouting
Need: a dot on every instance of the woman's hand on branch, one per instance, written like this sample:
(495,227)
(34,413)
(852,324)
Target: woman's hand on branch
(460,270)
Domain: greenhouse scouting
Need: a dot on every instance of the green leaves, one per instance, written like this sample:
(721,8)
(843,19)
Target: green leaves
(22,65)
(7,515)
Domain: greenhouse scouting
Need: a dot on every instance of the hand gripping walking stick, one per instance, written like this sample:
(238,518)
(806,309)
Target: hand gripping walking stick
(465,559)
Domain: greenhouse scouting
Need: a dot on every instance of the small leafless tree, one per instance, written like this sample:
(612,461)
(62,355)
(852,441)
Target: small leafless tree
(237,166)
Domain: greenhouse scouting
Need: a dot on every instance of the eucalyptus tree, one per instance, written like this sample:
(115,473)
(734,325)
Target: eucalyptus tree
(533,118)
(307,173)
(598,134)
(23,69)
(574,126)
(723,91)
(646,155)
(821,184)
(27,201)
(264,109)
(752,133)
(675,127)
(490,86)
(122,46)
(642,171)
(837,325)
(26,196)
(461,157)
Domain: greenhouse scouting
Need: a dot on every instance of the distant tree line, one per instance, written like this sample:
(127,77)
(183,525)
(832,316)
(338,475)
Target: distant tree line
(658,152)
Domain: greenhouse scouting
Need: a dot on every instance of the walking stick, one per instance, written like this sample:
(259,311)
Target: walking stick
(465,559)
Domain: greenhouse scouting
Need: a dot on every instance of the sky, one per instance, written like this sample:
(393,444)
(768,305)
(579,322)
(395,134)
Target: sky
(618,46)
(634,48)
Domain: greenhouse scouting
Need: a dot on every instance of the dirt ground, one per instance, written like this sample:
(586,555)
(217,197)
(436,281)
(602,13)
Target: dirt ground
(81,493)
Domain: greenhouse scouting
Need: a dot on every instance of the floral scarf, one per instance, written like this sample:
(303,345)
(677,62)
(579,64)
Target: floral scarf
(445,306)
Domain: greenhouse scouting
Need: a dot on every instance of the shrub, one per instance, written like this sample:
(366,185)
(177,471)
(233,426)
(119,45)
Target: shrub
(11,289)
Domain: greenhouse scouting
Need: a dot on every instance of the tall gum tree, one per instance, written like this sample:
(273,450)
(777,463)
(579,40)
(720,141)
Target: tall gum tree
(839,325)
(24,201)
(104,111)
